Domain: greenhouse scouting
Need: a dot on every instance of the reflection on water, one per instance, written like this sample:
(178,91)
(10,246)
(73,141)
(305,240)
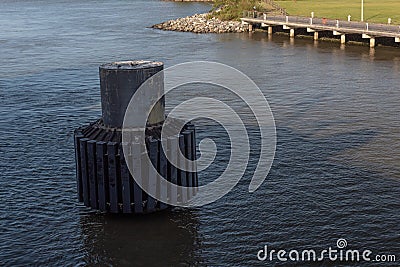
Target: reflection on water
(349,49)
(167,237)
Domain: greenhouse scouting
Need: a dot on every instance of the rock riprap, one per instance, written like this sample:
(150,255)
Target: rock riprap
(201,23)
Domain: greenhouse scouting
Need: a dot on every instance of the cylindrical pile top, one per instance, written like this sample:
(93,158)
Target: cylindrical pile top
(120,80)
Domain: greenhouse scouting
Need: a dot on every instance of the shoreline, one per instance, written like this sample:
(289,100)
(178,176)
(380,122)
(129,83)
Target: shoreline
(201,23)
(206,23)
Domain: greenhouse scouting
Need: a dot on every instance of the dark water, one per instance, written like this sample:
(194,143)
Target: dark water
(336,173)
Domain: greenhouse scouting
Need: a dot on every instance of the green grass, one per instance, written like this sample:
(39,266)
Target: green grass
(377,11)
(233,9)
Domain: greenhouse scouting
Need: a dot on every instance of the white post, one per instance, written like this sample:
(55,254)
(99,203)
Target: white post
(389,20)
(250,27)
(348,18)
(287,19)
(337,23)
(312,14)
(362,10)
(372,42)
(291,33)
(366,24)
(343,38)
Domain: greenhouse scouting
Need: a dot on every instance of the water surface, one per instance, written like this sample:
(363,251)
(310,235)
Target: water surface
(336,173)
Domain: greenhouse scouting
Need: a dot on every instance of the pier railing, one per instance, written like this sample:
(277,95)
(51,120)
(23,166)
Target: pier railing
(323,22)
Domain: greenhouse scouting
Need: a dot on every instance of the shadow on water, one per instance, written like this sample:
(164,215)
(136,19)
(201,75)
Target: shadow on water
(323,46)
(167,237)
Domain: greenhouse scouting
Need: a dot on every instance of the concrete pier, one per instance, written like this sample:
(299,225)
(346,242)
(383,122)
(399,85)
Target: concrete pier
(314,25)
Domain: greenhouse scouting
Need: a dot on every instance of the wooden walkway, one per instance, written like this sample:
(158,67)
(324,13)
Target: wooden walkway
(338,27)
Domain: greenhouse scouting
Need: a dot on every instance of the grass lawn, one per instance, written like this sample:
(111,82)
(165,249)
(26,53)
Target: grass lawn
(374,10)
